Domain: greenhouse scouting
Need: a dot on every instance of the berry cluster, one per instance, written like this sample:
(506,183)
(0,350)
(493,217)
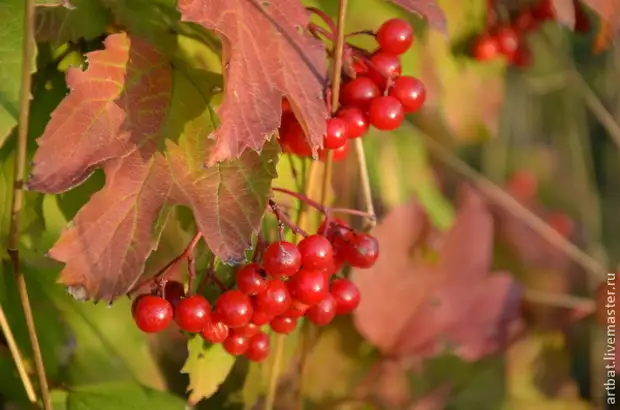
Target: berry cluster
(293,281)
(508,40)
(372,93)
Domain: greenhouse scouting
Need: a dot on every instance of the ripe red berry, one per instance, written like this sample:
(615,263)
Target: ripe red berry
(362,250)
(250,280)
(395,36)
(525,20)
(508,40)
(333,268)
(323,312)
(523,186)
(338,154)
(336,227)
(386,113)
(410,92)
(544,10)
(192,313)
(275,300)
(297,309)
(309,286)
(359,92)
(236,345)
(283,324)
(151,313)
(337,133)
(293,139)
(234,308)
(357,121)
(260,318)
(246,331)
(215,332)
(173,292)
(346,294)
(281,258)
(316,252)
(259,346)
(485,48)
(384,66)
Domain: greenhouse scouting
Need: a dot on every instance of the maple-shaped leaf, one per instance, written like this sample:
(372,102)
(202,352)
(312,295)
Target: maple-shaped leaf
(267,55)
(417,307)
(426,8)
(115,118)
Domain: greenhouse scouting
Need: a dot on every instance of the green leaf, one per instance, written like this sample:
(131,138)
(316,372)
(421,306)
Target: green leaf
(125,396)
(87,19)
(207,367)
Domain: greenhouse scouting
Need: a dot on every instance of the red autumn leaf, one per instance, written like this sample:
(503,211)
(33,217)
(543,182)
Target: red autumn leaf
(413,307)
(426,8)
(113,118)
(267,56)
(608,11)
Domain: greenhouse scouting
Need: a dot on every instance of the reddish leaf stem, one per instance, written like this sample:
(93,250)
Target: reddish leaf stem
(319,32)
(323,16)
(360,33)
(284,220)
(302,198)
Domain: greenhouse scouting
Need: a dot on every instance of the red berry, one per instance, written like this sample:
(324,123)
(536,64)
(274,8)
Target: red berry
(246,331)
(236,345)
(386,113)
(337,134)
(362,250)
(283,324)
(250,280)
(508,40)
(192,313)
(359,92)
(561,223)
(333,268)
(522,57)
(215,332)
(337,227)
(395,36)
(485,48)
(523,186)
(338,154)
(297,309)
(544,10)
(316,252)
(173,292)
(286,106)
(346,294)
(259,346)
(234,308)
(151,313)
(309,286)
(357,121)
(275,300)
(281,258)
(323,312)
(410,92)
(294,140)
(384,66)
(260,318)
(525,21)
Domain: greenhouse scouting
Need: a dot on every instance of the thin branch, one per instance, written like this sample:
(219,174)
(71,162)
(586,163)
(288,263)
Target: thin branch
(283,220)
(560,300)
(497,195)
(17,199)
(275,372)
(365,182)
(17,357)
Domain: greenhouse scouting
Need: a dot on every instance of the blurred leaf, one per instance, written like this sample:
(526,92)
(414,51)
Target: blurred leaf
(86,19)
(125,396)
(426,8)
(433,400)
(207,367)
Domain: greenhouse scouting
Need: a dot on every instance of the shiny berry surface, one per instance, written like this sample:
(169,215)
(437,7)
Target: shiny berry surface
(359,92)
(323,312)
(386,113)
(410,92)
(259,346)
(316,252)
(152,314)
(338,154)
(192,313)
(485,48)
(357,121)
(275,300)
(283,324)
(281,258)
(234,308)
(362,250)
(337,133)
(250,280)
(395,36)
(246,331)
(346,294)
(236,345)
(309,286)
(384,66)
(215,332)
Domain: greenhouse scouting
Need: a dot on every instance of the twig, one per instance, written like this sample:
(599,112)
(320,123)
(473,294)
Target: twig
(275,372)
(497,194)
(559,300)
(283,219)
(17,357)
(17,199)
(365,181)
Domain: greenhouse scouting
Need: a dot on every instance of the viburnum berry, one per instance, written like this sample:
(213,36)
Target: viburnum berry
(258,347)
(334,227)
(173,292)
(410,92)
(151,313)
(395,36)
(192,313)
(293,139)
(323,312)
(215,332)
(357,121)
(281,258)
(508,40)
(384,66)
(544,10)
(283,324)
(386,113)
(359,92)
(362,250)
(236,345)
(260,318)
(525,20)
(346,294)
(523,185)
(338,154)
(309,286)
(234,308)
(250,280)
(316,252)
(485,48)
(297,309)
(337,133)
(275,300)
(246,331)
